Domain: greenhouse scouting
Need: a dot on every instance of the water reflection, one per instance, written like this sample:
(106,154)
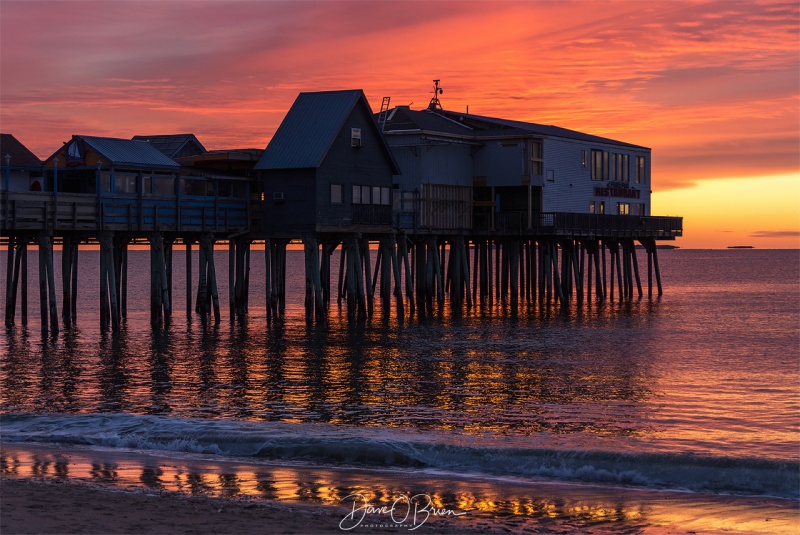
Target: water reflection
(509,505)
(481,373)
(113,374)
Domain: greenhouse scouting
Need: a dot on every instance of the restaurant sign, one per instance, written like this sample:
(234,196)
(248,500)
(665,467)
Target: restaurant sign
(614,189)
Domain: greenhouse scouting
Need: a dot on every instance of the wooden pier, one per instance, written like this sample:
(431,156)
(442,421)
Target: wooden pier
(563,259)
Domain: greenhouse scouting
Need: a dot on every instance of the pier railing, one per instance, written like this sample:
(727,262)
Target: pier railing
(32,211)
(583,225)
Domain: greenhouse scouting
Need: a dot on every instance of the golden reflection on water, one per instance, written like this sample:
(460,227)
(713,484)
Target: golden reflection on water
(611,509)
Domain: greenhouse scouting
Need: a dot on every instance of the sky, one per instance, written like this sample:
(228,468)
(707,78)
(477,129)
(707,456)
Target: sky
(713,88)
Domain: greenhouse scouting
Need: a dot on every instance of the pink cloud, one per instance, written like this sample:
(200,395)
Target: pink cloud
(711,87)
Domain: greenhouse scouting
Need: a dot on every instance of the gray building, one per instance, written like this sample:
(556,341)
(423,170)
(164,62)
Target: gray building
(327,168)
(464,171)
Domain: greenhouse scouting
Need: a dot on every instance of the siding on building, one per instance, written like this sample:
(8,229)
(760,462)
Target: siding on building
(313,149)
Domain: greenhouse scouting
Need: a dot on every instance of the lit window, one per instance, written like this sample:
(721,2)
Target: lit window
(623,208)
(597,207)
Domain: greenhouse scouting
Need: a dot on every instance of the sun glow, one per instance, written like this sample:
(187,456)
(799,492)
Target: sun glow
(763,212)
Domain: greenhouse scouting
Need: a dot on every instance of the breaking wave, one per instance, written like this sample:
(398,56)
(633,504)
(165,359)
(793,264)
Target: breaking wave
(394,448)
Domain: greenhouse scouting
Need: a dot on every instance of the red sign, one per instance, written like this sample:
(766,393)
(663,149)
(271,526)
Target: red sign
(628,193)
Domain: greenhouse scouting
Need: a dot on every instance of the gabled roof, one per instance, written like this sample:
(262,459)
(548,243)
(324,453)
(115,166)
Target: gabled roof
(20,155)
(171,145)
(310,127)
(116,151)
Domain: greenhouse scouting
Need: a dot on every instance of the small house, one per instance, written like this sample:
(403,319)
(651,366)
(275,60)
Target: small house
(175,145)
(20,168)
(103,165)
(327,168)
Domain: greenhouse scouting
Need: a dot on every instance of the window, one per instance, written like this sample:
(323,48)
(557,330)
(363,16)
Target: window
(638,209)
(105,182)
(147,184)
(377,195)
(165,186)
(599,165)
(336,194)
(536,157)
(355,137)
(620,171)
(125,183)
(623,208)
(597,207)
(640,170)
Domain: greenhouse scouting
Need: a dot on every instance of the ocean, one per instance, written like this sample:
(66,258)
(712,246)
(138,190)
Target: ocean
(592,415)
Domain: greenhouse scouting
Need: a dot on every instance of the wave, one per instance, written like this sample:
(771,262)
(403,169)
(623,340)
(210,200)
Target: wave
(394,448)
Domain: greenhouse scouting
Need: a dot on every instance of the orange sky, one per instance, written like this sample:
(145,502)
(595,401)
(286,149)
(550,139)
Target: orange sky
(712,87)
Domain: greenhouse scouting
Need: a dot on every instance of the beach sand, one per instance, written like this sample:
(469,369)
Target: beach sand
(51,490)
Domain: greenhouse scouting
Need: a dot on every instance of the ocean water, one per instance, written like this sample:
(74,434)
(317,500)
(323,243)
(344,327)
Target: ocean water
(695,392)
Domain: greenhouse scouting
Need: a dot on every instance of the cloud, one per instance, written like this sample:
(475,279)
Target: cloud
(776,234)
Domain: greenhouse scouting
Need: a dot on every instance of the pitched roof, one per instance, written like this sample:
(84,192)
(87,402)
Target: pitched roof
(20,155)
(170,145)
(116,151)
(495,127)
(478,127)
(307,132)
(402,118)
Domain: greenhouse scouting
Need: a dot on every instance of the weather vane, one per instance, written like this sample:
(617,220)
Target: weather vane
(435,104)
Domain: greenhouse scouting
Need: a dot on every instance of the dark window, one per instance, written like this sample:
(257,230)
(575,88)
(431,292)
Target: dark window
(336,194)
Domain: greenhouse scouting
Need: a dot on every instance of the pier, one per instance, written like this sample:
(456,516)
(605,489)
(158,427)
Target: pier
(566,259)
(458,210)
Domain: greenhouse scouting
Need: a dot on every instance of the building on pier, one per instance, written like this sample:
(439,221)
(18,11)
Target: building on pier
(20,168)
(327,168)
(175,145)
(466,171)
(469,207)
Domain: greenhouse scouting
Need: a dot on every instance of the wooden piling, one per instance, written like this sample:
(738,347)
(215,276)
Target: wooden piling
(66,280)
(188,259)
(268,277)
(402,243)
(232,265)
(9,311)
(43,308)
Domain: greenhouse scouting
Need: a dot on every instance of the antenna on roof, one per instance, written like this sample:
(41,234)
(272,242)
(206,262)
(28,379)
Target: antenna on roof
(435,104)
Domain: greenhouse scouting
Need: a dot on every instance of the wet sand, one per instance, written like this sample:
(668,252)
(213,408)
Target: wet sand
(47,489)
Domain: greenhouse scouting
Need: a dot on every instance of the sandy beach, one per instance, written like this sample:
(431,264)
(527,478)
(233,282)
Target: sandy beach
(46,489)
